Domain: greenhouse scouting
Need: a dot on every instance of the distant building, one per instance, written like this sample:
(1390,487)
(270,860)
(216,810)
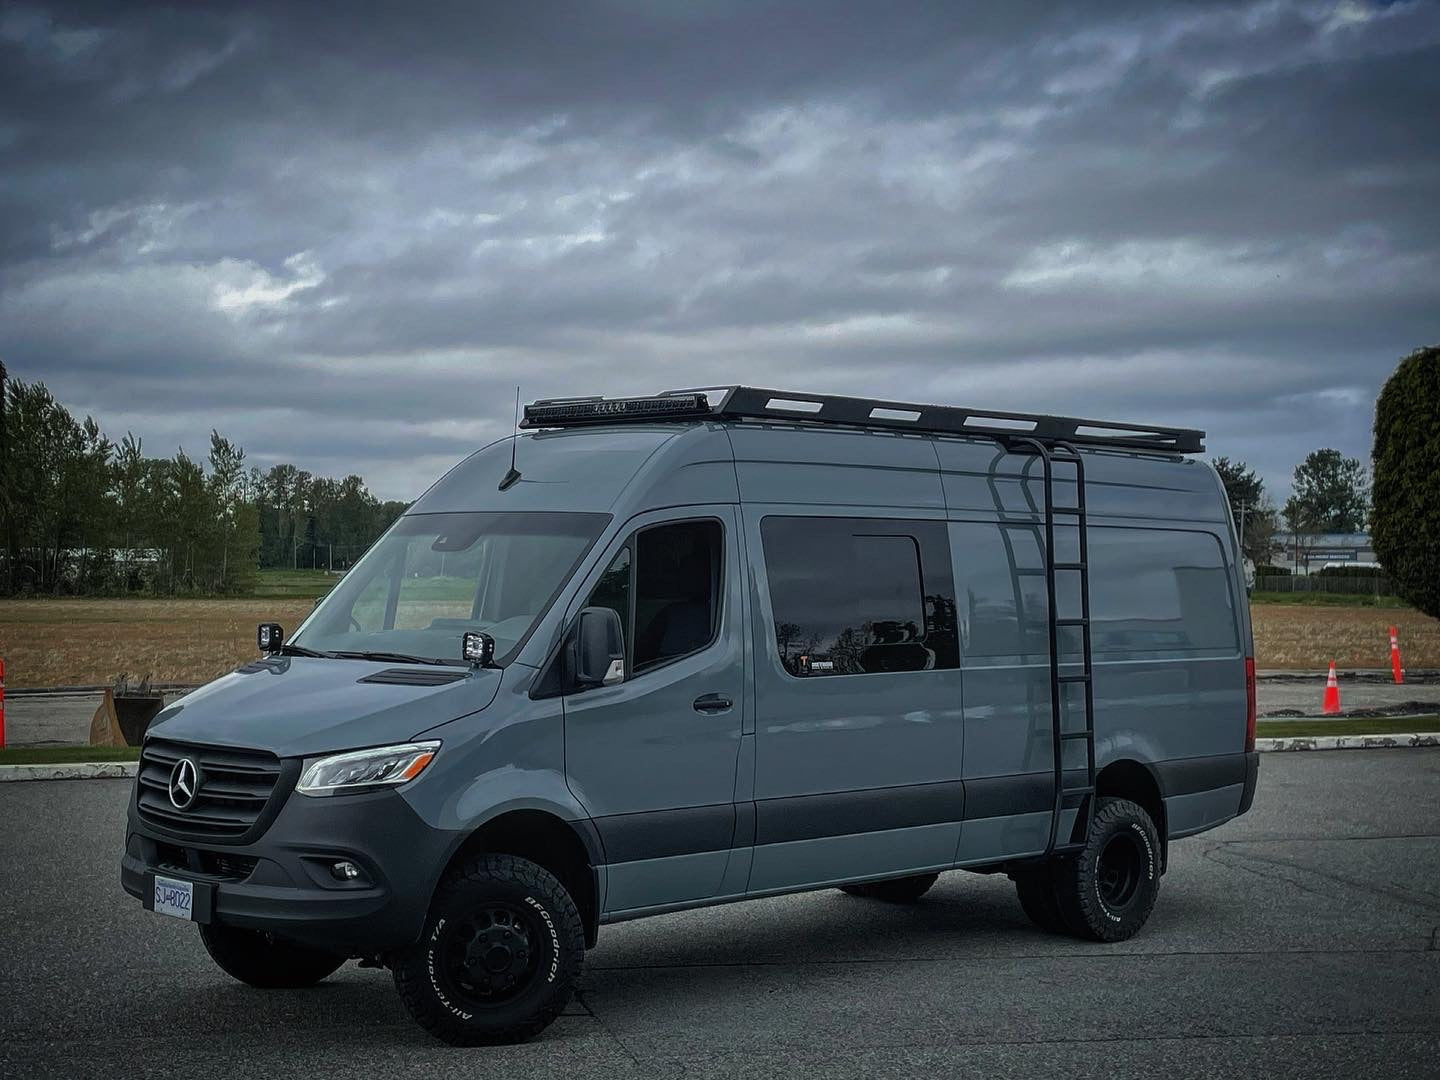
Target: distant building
(1315,550)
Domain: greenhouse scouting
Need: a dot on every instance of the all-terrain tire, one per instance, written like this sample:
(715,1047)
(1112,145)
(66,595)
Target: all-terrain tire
(502,948)
(260,960)
(1107,890)
(905,890)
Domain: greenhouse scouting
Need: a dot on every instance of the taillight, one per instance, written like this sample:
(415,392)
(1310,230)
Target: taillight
(1249,704)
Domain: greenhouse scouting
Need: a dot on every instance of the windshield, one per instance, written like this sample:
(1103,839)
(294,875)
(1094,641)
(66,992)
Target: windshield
(434,576)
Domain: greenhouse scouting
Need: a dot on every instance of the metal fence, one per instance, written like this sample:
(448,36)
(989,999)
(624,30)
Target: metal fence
(1376,585)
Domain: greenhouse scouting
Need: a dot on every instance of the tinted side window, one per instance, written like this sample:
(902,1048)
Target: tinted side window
(1159,590)
(665,585)
(860,595)
(677,588)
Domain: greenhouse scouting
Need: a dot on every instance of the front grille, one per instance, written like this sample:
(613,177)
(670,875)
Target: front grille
(216,864)
(234,789)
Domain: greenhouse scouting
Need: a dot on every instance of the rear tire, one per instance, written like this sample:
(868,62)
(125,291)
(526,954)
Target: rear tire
(260,960)
(905,890)
(1106,891)
(502,947)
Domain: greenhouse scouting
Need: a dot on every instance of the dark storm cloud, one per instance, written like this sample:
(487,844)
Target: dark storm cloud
(344,241)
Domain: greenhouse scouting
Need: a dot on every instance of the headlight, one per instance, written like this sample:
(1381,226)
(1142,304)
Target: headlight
(385,766)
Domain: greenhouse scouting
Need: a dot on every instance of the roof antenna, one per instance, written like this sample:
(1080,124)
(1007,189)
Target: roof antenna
(514,473)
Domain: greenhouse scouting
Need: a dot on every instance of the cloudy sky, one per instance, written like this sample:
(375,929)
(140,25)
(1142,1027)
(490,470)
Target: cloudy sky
(344,241)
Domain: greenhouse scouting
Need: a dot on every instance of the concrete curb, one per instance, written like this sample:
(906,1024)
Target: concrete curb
(79,770)
(1349,742)
(125,770)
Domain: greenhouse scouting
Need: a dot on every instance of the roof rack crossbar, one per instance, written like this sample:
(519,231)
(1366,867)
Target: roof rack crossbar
(754,403)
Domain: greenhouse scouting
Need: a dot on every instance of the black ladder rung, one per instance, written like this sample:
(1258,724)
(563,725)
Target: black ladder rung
(1089,789)
(1071,566)
(1068,510)
(1077,621)
(1074,678)
(1067,735)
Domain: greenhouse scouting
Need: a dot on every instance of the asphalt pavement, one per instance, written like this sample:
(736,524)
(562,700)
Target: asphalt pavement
(1300,940)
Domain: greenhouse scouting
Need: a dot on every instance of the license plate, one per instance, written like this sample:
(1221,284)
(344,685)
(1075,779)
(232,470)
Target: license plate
(175,898)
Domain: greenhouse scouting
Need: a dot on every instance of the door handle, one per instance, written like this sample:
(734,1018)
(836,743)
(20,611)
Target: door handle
(712,703)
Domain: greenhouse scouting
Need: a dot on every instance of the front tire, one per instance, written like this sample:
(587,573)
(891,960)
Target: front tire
(260,960)
(502,947)
(905,890)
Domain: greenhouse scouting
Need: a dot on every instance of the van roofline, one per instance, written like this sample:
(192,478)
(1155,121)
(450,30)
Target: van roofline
(754,403)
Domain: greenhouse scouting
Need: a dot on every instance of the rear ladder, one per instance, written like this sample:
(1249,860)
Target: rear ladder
(1080,797)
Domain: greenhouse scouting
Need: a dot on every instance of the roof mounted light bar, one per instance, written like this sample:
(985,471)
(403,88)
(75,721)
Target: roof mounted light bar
(575,412)
(752,403)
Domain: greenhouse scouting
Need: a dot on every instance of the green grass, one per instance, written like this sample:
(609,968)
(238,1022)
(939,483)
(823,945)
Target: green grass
(293,584)
(1303,599)
(65,755)
(1389,725)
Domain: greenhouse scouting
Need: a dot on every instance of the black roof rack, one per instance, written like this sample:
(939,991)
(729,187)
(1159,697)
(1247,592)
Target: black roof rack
(752,403)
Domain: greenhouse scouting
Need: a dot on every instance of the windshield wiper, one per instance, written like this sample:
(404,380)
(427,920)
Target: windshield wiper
(395,658)
(301,650)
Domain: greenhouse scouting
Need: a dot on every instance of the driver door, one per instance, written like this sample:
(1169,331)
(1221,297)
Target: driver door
(653,757)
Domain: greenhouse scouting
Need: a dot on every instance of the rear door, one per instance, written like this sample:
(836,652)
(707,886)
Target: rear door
(653,758)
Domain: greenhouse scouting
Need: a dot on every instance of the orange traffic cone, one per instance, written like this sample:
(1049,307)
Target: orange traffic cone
(1332,694)
(1396,669)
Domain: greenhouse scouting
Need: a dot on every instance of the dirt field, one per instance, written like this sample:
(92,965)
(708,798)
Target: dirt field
(1304,637)
(89,642)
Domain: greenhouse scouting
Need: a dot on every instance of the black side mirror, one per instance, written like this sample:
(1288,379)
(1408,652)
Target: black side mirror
(270,636)
(598,656)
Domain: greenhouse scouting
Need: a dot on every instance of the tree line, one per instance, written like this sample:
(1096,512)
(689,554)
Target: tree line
(81,514)
(1330,493)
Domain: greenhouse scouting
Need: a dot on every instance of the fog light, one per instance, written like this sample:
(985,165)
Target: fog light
(344,870)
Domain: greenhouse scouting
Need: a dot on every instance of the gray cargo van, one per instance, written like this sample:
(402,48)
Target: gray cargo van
(666,652)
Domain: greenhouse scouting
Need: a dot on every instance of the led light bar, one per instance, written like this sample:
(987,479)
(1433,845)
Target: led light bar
(574,412)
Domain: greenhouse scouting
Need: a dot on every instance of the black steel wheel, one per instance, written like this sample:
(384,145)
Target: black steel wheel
(501,950)
(491,956)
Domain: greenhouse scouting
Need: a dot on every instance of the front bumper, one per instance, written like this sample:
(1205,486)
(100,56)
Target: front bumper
(281,882)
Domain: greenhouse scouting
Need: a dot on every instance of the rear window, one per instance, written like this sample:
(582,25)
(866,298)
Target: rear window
(1160,590)
(1151,590)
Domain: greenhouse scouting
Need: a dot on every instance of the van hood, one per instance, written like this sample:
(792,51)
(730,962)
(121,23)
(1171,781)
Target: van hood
(297,706)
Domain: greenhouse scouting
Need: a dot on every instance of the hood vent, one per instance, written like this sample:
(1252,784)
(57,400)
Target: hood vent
(400,676)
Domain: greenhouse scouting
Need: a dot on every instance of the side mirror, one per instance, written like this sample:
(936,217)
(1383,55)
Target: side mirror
(270,636)
(598,658)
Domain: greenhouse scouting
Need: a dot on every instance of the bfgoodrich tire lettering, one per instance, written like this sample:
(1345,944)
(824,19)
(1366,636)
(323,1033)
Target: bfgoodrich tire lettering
(497,962)
(1107,890)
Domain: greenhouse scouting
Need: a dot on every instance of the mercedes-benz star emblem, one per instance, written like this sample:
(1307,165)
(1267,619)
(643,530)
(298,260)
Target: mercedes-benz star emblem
(184,783)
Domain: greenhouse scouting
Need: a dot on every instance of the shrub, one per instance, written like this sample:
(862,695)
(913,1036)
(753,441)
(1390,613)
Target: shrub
(1406,490)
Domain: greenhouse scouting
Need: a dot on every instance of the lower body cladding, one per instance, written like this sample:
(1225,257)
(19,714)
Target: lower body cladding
(284,881)
(696,856)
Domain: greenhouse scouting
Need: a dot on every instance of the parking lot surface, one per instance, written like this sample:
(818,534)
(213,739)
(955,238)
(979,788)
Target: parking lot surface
(1301,940)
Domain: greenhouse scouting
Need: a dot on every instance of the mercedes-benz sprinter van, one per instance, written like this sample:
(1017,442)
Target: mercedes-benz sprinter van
(666,652)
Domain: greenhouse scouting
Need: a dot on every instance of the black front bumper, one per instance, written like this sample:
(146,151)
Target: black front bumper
(288,890)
